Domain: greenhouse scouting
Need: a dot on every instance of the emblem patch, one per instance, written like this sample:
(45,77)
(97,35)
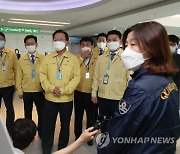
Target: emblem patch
(123,107)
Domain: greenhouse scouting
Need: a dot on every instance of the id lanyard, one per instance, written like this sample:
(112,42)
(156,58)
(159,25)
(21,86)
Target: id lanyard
(3,62)
(87,69)
(108,65)
(33,66)
(59,74)
(106,76)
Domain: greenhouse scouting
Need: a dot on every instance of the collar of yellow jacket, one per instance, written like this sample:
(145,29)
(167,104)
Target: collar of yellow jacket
(26,56)
(6,50)
(55,54)
(119,53)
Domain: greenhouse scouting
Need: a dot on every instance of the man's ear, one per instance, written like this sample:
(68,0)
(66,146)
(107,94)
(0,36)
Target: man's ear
(120,41)
(67,43)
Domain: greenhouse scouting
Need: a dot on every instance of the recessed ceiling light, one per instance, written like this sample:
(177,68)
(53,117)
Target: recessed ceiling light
(32,23)
(40,21)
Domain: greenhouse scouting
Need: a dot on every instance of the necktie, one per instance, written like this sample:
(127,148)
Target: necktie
(100,51)
(112,55)
(1,53)
(32,59)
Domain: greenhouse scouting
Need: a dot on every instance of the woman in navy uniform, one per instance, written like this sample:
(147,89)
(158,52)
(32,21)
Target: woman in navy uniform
(147,119)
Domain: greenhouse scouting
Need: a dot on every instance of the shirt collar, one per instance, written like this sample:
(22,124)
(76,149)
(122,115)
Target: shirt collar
(32,54)
(118,52)
(115,52)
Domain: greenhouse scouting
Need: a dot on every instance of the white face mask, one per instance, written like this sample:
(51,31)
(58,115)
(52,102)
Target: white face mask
(132,60)
(173,48)
(2,43)
(101,45)
(85,49)
(113,46)
(59,45)
(31,48)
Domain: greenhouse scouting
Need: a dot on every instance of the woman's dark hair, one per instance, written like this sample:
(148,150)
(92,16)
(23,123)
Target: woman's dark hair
(152,38)
(22,133)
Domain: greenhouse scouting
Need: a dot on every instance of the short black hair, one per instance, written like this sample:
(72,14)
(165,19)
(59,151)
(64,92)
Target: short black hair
(2,34)
(61,31)
(174,39)
(29,37)
(116,32)
(86,39)
(22,133)
(101,34)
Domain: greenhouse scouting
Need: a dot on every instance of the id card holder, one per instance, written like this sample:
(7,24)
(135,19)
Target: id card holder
(3,68)
(87,75)
(106,79)
(33,74)
(59,75)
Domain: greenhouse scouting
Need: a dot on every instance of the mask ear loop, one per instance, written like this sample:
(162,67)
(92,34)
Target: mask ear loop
(145,60)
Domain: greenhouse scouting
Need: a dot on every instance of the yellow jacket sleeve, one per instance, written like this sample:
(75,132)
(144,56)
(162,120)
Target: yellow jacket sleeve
(19,78)
(47,86)
(95,80)
(73,83)
(15,64)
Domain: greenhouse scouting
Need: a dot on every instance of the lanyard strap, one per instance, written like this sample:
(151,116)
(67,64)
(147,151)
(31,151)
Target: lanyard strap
(59,65)
(110,63)
(3,60)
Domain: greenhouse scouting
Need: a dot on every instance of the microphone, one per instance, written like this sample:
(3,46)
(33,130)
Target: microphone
(100,120)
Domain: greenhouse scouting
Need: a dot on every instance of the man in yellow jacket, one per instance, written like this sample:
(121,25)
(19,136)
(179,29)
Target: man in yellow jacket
(82,95)
(101,45)
(110,77)
(8,68)
(28,81)
(101,41)
(59,75)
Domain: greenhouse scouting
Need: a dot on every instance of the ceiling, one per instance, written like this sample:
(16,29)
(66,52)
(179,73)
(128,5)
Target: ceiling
(95,18)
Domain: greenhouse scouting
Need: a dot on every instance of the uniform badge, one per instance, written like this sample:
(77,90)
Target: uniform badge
(123,107)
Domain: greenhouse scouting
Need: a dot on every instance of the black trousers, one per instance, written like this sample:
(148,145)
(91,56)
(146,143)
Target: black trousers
(107,107)
(82,101)
(38,99)
(7,95)
(51,109)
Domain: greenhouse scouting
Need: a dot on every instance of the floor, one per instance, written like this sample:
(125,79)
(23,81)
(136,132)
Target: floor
(35,147)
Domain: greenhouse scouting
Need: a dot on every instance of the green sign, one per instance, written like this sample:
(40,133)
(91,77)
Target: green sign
(22,30)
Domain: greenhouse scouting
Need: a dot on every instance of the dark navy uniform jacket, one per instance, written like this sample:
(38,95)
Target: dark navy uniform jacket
(147,114)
